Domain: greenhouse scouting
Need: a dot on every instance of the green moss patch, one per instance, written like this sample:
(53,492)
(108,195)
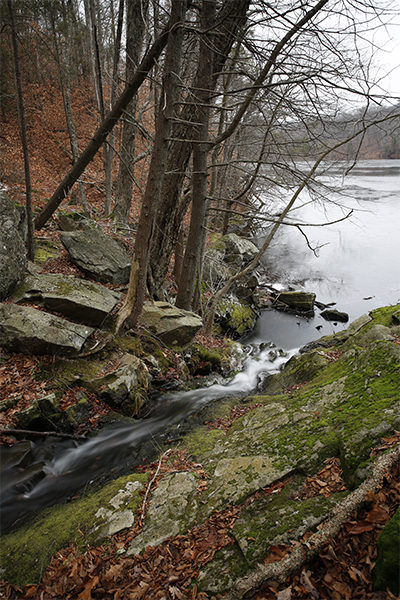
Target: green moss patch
(26,552)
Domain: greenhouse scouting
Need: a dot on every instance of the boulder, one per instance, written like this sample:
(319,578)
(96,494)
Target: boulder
(297,301)
(228,256)
(28,330)
(234,317)
(335,315)
(97,255)
(12,246)
(76,222)
(125,388)
(238,251)
(73,297)
(174,326)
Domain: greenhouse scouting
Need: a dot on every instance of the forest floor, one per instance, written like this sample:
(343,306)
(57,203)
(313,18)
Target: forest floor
(343,568)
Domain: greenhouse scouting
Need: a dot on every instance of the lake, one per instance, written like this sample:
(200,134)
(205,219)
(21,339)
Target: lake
(357,265)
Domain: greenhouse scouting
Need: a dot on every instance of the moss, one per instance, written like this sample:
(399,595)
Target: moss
(45,250)
(200,442)
(387,569)
(55,528)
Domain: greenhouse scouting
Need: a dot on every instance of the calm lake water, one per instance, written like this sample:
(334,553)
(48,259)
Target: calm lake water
(359,258)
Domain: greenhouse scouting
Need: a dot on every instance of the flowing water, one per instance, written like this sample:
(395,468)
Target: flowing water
(359,259)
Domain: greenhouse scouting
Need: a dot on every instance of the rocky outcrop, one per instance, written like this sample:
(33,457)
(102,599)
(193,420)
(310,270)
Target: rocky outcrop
(174,326)
(73,297)
(12,246)
(238,310)
(333,403)
(97,255)
(28,330)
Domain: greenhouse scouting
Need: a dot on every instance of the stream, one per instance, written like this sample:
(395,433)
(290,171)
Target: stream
(356,267)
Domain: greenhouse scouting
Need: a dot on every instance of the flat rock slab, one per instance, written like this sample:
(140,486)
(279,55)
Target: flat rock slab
(174,326)
(70,296)
(97,255)
(31,331)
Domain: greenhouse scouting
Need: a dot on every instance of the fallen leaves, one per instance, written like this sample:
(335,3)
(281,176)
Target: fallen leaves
(326,482)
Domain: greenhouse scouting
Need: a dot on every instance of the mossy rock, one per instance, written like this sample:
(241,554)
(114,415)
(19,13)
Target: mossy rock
(386,573)
(55,528)
(234,317)
(45,250)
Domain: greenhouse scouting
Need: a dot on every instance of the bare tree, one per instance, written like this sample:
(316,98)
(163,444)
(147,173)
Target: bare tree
(136,15)
(23,132)
(132,308)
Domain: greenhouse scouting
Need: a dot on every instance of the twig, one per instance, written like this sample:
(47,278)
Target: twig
(151,482)
(279,571)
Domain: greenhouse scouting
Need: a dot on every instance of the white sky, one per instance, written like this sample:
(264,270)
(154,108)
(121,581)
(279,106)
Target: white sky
(387,56)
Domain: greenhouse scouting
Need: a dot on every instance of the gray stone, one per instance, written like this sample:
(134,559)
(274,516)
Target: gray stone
(302,301)
(377,333)
(97,255)
(335,315)
(70,296)
(174,326)
(172,508)
(238,251)
(12,246)
(125,388)
(76,222)
(28,330)
(116,516)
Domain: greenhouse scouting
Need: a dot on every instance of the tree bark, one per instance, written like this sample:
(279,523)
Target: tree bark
(134,40)
(114,84)
(230,18)
(203,97)
(65,82)
(101,134)
(131,310)
(23,134)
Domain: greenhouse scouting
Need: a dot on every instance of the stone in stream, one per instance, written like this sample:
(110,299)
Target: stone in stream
(97,255)
(301,301)
(335,315)
(73,297)
(31,331)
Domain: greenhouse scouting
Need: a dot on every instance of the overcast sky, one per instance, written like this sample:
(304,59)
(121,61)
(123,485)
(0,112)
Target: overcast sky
(387,40)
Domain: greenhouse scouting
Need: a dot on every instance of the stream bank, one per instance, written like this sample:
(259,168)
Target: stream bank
(334,401)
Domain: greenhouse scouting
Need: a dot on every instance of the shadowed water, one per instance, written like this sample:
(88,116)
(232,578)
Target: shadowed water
(79,465)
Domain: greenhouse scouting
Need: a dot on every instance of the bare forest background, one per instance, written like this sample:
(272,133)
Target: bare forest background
(170,121)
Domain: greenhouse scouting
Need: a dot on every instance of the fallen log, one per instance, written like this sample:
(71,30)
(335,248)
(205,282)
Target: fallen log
(280,571)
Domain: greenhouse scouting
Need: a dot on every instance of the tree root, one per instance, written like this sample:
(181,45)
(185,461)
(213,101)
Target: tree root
(280,571)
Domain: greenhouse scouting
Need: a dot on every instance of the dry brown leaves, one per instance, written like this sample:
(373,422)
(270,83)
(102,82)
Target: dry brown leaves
(343,569)
(327,481)
(16,381)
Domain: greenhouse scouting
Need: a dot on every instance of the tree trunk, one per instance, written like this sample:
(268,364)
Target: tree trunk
(114,84)
(100,95)
(101,134)
(230,17)
(134,40)
(132,308)
(23,134)
(203,97)
(65,82)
